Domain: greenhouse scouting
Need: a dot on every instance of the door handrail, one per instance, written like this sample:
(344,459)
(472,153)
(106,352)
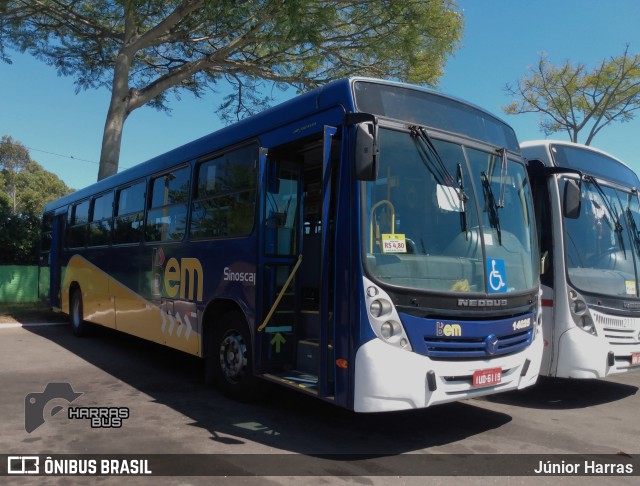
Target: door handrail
(279,298)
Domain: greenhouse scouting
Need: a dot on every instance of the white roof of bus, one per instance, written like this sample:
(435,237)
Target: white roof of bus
(546,143)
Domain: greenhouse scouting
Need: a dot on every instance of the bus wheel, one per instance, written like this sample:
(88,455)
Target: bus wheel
(229,361)
(78,325)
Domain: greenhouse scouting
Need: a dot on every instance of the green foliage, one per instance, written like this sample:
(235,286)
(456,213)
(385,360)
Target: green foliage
(25,187)
(144,49)
(300,42)
(572,98)
(20,235)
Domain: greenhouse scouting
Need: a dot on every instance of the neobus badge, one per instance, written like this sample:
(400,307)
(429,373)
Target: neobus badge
(482,302)
(183,276)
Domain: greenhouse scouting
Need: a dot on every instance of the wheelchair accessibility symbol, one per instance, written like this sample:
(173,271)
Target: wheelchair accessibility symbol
(496,275)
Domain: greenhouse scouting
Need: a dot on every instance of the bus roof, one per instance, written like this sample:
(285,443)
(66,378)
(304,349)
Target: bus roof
(547,143)
(335,93)
(541,148)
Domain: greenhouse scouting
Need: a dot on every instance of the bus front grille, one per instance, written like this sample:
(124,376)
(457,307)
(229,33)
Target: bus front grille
(618,329)
(488,347)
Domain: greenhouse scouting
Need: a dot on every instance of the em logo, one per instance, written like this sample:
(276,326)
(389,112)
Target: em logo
(184,277)
(448,330)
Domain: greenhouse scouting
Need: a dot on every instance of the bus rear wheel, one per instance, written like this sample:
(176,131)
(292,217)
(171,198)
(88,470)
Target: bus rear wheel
(76,317)
(229,360)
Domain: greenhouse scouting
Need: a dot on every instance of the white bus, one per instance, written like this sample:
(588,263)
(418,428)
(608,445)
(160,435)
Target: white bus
(587,211)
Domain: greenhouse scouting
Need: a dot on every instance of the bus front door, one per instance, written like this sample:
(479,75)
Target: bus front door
(295,329)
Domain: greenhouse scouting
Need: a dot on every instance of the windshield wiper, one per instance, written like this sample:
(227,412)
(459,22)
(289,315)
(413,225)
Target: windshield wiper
(491,206)
(615,220)
(464,225)
(504,161)
(634,230)
(434,162)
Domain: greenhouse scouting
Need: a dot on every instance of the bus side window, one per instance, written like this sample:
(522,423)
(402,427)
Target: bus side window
(130,213)
(224,203)
(77,235)
(281,212)
(167,214)
(100,222)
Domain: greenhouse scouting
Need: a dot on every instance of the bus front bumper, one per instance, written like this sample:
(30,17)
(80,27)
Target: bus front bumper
(389,378)
(583,355)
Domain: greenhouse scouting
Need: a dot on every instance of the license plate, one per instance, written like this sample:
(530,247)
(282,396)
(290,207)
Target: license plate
(491,376)
(635,359)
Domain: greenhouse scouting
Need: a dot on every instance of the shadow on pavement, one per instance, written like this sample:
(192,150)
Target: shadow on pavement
(565,394)
(285,420)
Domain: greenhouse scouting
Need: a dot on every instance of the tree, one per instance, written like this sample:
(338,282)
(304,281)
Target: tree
(573,99)
(23,194)
(144,49)
(14,157)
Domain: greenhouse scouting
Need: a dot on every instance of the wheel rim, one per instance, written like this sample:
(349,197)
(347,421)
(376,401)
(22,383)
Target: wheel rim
(233,357)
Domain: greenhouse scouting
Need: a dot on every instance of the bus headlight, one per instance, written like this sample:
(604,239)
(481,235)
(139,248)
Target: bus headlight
(580,312)
(386,330)
(579,306)
(380,307)
(383,317)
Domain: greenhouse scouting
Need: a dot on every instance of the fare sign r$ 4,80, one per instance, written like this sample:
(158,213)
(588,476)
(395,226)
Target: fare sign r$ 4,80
(394,243)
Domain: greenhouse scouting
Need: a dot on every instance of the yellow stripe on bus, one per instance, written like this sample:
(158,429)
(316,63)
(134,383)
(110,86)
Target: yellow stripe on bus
(109,303)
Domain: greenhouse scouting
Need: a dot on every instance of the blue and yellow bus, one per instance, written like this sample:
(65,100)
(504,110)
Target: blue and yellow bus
(370,243)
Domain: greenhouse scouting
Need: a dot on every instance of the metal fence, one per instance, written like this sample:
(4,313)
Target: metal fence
(19,283)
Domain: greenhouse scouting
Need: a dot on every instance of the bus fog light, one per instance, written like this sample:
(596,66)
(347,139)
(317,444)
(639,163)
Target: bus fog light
(403,343)
(372,291)
(387,330)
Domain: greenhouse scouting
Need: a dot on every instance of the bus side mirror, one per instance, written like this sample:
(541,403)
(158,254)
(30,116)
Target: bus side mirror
(367,152)
(571,201)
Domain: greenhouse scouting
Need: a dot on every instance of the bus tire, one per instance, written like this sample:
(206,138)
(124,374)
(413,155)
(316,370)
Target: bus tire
(229,362)
(76,317)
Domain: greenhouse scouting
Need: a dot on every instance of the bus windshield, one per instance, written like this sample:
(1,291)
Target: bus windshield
(602,245)
(462,223)
(592,162)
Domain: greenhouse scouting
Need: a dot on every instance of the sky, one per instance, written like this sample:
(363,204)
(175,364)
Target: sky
(502,38)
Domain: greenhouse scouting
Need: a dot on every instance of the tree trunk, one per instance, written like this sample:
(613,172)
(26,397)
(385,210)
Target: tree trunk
(116,116)
(112,138)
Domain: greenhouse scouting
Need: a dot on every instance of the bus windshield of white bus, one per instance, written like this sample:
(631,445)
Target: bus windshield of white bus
(449,217)
(594,163)
(602,245)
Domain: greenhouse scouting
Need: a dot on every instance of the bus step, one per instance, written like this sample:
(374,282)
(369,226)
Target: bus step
(295,379)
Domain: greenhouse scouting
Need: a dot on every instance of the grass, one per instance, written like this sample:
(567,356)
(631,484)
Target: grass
(28,312)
